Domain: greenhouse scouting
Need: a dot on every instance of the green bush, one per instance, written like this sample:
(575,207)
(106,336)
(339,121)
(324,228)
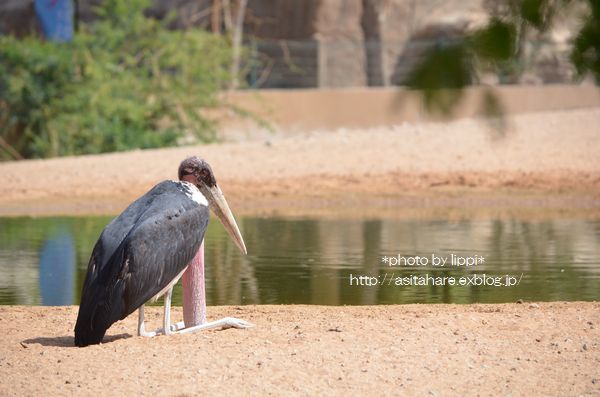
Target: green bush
(124,82)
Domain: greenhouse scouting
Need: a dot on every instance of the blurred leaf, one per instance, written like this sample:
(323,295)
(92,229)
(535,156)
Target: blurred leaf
(585,54)
(495,42)
(444,66)
(493,110)
(496,46)
(444,71)
(533,12)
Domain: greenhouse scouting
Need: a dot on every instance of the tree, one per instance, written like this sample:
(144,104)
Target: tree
(125,82)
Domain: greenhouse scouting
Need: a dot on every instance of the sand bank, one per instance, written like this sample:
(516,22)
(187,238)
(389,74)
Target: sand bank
(550,158)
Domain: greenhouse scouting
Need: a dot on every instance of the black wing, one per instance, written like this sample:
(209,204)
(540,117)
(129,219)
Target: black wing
(139,254)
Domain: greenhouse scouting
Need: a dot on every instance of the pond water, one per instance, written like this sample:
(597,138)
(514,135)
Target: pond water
(43,261)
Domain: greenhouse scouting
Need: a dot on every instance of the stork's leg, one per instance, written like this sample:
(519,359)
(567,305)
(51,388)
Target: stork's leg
(179,328)
(194,294)
(166,320)
(167,315)
(224,323)
(194,303)
(141,327)
(194,300)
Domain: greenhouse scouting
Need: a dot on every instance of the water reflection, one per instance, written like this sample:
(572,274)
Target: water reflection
(57,269)
(308,261)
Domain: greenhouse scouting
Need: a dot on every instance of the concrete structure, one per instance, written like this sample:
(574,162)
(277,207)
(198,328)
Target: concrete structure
(305,110)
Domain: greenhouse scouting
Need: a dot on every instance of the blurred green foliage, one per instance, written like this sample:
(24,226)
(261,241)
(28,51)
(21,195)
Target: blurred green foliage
(495,42)
(497,48)
(586,49)
(534,12)
(439,84)
(125,82)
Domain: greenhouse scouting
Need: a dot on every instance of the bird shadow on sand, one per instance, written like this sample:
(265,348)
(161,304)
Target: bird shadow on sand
(68,341)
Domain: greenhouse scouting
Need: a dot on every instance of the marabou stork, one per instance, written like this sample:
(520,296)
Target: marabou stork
(143,252)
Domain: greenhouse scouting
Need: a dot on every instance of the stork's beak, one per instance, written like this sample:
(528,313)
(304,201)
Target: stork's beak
(219,206)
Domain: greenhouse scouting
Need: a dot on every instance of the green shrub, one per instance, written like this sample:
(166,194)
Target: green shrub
(124,82)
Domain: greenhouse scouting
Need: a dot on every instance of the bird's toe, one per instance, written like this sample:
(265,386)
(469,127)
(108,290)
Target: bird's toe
(231,322)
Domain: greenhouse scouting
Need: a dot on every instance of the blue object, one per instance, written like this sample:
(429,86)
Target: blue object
(57,270)
(56,18)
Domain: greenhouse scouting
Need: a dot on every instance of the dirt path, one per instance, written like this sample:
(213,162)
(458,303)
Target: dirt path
(545,349)
(552,156)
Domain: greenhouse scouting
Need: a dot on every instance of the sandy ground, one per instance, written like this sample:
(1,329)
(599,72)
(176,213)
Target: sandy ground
(545,349)
(544,160)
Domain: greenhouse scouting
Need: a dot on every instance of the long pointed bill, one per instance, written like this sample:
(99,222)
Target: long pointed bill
(219,206)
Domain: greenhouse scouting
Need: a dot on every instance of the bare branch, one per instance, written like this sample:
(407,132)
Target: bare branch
(237,43)
(12,151)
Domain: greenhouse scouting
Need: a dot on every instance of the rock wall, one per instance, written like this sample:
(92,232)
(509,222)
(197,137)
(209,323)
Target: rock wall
(340,36)
(353,42)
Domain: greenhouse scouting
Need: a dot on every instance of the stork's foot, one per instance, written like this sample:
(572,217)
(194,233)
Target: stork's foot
(224,323)
(179,328)
(147,334)
(142,326)
(174,328)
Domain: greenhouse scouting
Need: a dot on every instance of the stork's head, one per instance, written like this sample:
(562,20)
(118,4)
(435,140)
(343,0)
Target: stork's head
(198,172)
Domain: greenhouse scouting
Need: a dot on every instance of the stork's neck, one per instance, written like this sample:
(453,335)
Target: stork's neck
(192,192)
(194,295)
